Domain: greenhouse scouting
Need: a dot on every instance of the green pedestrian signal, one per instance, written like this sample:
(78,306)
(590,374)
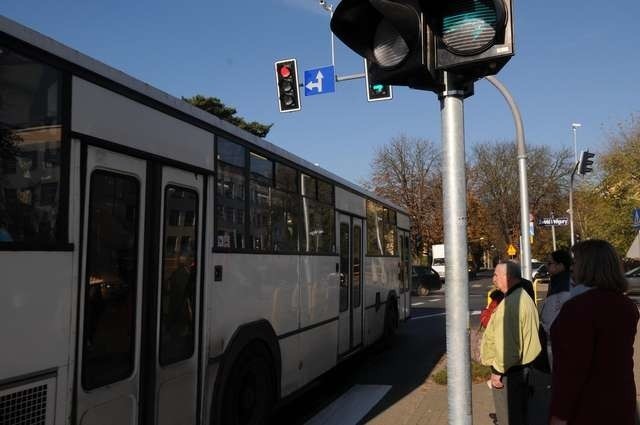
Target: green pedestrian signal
(376,91)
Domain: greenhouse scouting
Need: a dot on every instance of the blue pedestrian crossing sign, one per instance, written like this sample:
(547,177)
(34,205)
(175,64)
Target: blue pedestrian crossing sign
(636,218)
(319,81)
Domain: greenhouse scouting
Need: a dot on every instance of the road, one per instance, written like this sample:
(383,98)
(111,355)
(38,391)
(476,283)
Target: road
(362,387)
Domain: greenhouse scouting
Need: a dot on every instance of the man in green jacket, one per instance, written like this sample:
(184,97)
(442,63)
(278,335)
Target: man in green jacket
(509,344)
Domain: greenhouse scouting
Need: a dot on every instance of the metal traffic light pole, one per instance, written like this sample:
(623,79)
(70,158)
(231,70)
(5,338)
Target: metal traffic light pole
(525,245)
(455,243)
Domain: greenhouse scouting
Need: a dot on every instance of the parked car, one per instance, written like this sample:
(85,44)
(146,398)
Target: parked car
(633,277)
(424,280)
(540,272)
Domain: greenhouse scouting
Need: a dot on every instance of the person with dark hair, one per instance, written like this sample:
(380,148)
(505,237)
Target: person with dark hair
(510,344)
(592,340)
(559,265)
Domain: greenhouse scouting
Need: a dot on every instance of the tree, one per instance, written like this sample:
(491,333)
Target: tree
(214,106)
(494,178)
(407,172)
(605,202)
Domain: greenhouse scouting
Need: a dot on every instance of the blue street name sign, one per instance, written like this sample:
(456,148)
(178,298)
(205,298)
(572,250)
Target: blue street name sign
(319,81)
(636,218)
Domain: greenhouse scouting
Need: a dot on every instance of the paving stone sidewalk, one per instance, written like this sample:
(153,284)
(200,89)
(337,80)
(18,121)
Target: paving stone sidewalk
(427,404)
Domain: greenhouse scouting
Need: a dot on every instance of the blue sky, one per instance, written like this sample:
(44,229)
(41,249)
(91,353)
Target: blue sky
(576,61)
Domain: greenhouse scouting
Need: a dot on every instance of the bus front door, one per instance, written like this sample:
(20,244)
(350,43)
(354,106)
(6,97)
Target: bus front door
(350,247)
(111,287)
(139,293)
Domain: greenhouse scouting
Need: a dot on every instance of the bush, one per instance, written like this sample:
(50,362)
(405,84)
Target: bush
(479,373)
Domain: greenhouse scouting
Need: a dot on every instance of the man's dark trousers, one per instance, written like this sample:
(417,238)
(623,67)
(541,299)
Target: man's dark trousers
(511,400)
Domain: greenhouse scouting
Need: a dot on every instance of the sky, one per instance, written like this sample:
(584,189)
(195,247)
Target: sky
(575,61)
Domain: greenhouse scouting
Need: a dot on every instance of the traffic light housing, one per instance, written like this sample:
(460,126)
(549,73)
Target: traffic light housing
(377,91)
(393,37)
(287,83)
(585,162)
(410,42)
(474,38)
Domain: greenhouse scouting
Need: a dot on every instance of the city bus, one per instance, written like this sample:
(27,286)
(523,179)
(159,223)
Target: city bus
(161,266)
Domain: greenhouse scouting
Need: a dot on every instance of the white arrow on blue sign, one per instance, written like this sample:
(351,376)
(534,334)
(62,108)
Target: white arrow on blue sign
(319,81)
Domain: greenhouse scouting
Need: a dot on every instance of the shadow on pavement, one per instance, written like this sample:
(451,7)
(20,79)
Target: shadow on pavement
(416,348)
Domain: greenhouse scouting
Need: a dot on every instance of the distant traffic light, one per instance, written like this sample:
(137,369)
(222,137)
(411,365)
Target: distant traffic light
(287,82)
(376,91)
(474,38)
(586,162)
(392,35)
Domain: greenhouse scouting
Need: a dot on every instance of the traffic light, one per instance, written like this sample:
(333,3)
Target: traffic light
(394,38)
(409,42)
(474,38)
(287,82)
(377,91)
(586,162)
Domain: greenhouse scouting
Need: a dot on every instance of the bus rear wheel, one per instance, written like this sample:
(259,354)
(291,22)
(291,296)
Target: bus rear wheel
(249,396)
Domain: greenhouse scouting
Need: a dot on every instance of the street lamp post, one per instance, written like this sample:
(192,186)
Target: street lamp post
(574,127)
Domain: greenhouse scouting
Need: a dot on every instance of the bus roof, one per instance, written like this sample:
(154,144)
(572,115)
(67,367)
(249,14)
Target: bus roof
(87,63)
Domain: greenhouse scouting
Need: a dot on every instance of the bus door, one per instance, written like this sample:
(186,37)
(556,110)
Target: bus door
(351,286)
(178,298)
(404,275)
(139,328)
(109,333)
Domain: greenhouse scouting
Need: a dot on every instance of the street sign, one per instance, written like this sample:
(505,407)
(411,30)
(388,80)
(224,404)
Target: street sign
(636,218)
(555,221)
(511,251)
(319,81)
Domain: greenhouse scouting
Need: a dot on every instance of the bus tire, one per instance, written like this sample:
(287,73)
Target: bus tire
(248,398)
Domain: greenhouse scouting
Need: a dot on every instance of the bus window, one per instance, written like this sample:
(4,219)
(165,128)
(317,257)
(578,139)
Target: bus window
(319,218)
(178,292)
(30,151)
(230,195)
(285,210)
(259,210)
(110,300)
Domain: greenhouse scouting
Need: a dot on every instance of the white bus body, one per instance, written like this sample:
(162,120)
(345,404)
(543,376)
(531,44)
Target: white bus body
(153,257)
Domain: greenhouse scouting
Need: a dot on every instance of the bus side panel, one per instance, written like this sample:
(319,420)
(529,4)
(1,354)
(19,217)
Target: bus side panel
(139,126)
(35,311)
(255,287)
(319,302)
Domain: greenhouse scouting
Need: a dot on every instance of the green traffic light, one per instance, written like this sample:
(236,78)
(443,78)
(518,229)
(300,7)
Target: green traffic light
(377,88)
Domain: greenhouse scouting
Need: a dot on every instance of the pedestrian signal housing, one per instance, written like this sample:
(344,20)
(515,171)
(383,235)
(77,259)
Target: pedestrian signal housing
(376,91)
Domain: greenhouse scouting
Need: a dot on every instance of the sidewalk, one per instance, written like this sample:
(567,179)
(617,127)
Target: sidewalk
(427,404)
